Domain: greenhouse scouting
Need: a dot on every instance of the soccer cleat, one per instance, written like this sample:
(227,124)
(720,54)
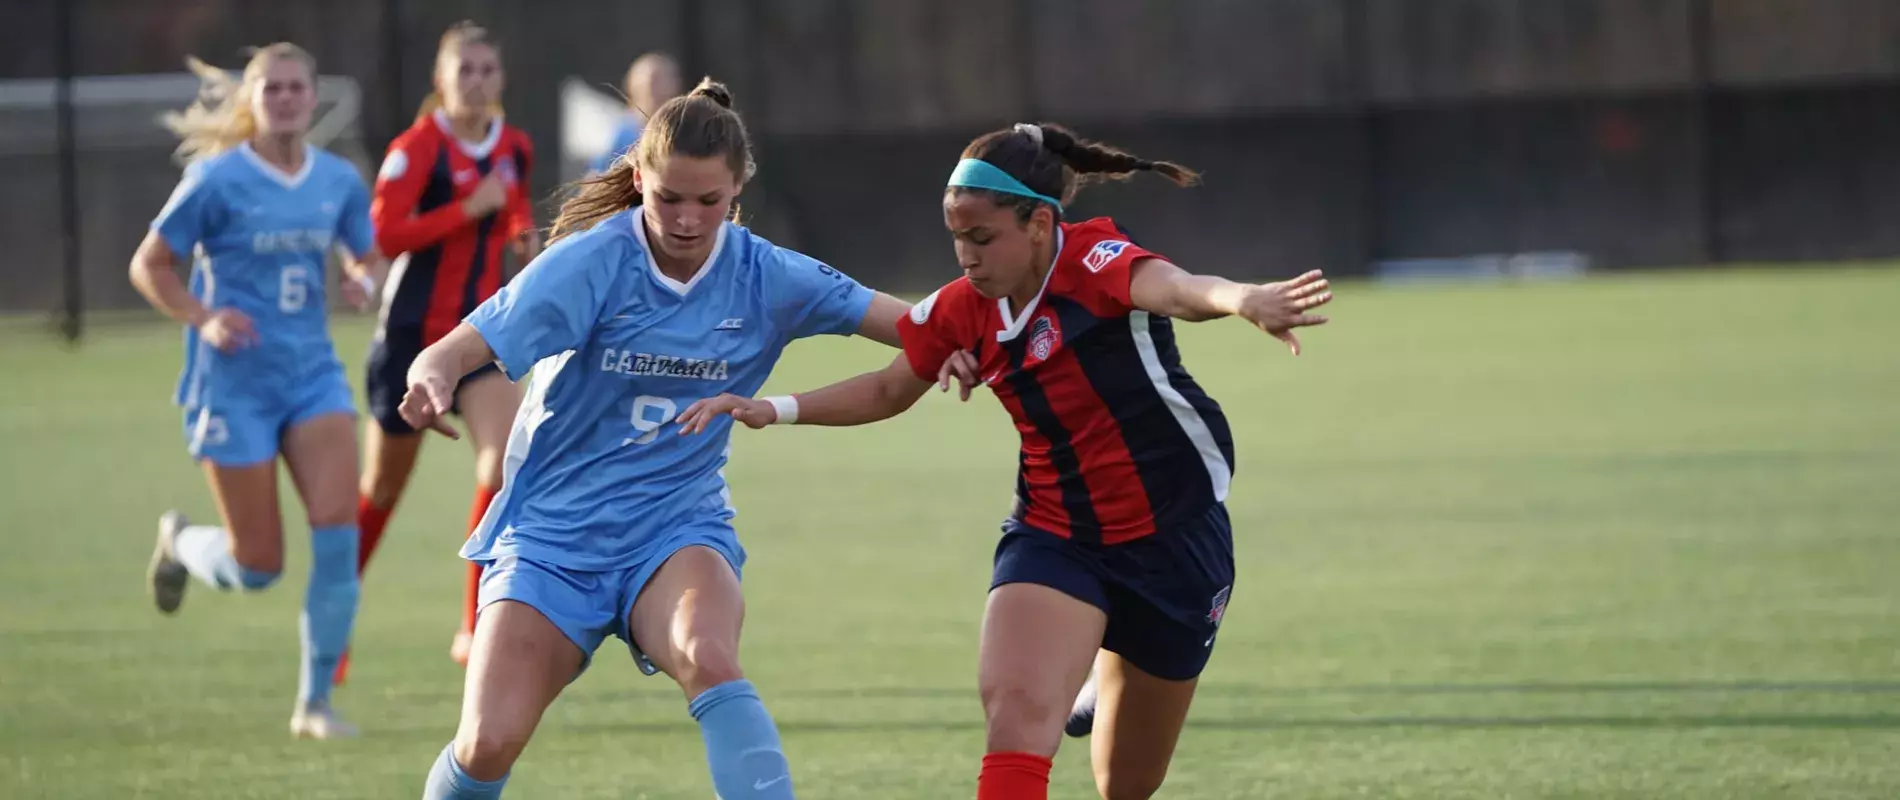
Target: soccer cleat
(166,577)
(459,648)
(319,722)
(1082,714)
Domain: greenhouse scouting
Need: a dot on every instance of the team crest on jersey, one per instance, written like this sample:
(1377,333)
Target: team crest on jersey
(506,168)
(1043,338)
(1103,254)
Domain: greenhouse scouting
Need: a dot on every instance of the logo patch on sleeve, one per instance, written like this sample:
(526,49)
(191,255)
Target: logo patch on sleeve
(920,313)
(394,166)
(1103,254)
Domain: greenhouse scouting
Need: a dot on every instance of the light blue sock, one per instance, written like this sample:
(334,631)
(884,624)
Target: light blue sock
(329,609)
(742,746)
(447,781)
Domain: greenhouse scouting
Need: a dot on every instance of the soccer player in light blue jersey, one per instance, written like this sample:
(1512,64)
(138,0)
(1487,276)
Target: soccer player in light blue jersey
(609,522)
(257,214)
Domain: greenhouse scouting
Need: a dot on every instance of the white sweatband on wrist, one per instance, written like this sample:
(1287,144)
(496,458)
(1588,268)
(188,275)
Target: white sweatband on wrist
(787,408)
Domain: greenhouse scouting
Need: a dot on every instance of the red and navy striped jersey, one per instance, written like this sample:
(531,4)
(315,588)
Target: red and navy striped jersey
(449,263)
(1117,439)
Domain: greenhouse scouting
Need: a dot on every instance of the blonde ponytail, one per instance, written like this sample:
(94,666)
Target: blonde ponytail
(221,117)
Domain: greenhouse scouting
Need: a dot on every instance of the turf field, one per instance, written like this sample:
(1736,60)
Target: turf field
(1630,537)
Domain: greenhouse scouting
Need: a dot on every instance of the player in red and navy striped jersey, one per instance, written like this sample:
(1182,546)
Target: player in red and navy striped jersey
(451,197)
(1120,539)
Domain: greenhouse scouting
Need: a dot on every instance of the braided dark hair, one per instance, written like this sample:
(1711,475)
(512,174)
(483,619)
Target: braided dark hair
(1051,159)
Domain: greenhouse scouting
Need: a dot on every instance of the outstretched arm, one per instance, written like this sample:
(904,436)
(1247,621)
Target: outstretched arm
(1160,287)
(867,398)
(434,375)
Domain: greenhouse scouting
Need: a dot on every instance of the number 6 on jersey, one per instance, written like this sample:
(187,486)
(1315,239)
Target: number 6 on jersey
(649,414)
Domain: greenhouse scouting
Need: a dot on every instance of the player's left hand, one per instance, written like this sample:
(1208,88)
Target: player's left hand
(1279,307)
(755,414)
(962,366)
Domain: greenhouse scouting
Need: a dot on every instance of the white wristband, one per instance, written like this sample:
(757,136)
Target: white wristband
(787,408)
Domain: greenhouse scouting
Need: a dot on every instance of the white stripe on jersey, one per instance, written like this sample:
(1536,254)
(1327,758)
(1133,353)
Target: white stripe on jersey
(201,355)
(1184,413)
(533,412)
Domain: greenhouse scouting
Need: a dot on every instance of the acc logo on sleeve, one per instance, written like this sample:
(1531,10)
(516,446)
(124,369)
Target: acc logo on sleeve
(1103,254)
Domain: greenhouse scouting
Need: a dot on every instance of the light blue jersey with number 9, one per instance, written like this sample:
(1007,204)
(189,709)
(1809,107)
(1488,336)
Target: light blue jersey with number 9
(596,472)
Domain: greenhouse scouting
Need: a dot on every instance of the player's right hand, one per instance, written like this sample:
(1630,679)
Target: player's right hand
(429,399)
(228,330)
(755,414)
(489,196)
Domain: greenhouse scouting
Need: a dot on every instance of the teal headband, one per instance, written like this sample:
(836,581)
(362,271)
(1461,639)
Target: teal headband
(975,173)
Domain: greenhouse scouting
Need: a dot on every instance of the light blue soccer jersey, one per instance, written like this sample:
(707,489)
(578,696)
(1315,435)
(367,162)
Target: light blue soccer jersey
(596,472)
(259,239)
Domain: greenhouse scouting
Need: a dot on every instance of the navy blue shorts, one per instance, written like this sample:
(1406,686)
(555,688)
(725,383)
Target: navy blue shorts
(1164,594)
(388,379)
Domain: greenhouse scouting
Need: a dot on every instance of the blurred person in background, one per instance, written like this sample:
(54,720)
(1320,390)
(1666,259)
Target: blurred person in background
(652,80)
(257,212)
(1119,552)
(452,196)
(609,522)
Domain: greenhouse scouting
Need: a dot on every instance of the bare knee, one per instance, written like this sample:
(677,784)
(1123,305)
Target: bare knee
(259,550)
(704,662)
(488,467)
(1128,784)
(1020,717)
(489,751)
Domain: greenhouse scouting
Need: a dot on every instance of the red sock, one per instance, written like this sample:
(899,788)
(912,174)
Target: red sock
(1014,776)
(484,495)
(370,522)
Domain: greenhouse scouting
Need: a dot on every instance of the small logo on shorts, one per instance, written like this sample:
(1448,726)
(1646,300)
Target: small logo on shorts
(1217,611)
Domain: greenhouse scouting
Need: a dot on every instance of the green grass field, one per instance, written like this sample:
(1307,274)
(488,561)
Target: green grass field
(1630,537)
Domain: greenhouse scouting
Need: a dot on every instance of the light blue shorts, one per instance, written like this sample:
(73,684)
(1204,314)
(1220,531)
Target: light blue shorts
(237,427)
(590,606)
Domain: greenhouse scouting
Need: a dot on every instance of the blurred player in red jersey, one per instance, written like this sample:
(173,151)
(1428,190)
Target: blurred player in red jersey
(1119,552)
(451,196)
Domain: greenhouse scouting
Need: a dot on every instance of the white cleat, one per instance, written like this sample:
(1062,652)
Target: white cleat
(321,722)
(166,577)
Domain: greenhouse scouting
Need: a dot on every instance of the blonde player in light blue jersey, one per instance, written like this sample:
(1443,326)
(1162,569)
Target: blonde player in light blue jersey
(257,214)
(609,522)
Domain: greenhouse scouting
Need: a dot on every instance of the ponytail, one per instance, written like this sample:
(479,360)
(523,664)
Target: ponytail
(431,103)
(1087,158)
(1052,161)
(597,197)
